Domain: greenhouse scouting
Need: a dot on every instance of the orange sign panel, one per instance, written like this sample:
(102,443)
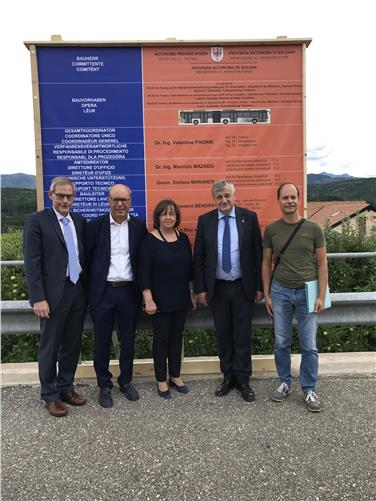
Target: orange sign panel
(233,112)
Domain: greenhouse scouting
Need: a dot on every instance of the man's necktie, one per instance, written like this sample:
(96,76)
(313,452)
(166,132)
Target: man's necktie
(226,246)
(72,256)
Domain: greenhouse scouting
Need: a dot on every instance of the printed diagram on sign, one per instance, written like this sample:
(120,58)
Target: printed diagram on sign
(197,117)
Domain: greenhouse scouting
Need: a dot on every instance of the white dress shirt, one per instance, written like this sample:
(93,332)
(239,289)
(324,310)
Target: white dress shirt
(120,264)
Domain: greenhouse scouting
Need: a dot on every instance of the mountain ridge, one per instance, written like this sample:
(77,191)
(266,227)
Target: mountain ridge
(21,180)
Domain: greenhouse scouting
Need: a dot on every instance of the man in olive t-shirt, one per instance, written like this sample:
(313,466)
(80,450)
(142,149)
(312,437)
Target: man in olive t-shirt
(285,296)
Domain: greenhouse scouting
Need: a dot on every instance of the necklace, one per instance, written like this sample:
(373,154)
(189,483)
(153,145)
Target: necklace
(163,237)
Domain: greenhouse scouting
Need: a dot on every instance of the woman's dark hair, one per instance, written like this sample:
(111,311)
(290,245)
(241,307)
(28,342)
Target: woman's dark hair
(161,207)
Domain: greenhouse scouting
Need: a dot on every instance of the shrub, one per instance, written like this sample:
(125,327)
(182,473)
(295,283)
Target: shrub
(11,246)
(13,285)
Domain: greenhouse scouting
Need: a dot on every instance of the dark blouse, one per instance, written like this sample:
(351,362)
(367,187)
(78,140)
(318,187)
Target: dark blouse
(166,269)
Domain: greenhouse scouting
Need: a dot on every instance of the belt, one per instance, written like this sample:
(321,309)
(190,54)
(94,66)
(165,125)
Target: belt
(120,283)
(227,281)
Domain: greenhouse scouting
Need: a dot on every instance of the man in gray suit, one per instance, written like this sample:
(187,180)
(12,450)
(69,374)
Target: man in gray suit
(54,265)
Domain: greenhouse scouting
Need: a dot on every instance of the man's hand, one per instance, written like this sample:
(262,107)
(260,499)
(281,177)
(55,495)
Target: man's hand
(193,301)
(150,307)
(41,309)
(319,305)
(203,298)
(259,296)
(268,305)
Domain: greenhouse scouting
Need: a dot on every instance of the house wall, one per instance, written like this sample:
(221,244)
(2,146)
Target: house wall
(370,222)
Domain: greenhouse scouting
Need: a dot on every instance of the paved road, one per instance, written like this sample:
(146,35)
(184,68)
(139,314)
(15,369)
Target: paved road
(196,447)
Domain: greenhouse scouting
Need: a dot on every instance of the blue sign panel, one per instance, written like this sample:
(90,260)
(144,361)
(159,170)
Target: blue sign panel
(92,123)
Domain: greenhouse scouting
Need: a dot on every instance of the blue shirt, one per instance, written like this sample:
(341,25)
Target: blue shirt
(235,272)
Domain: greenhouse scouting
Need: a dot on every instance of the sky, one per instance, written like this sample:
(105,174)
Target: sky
(340,75)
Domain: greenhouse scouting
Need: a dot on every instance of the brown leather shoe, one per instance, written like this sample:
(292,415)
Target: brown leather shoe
(73,398)
(57,408)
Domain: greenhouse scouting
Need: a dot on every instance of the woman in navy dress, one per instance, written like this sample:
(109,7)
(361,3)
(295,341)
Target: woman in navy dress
(165,279)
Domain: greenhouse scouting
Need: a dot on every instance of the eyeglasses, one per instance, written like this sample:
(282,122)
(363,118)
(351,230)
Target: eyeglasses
(168,214)
(120,200)
(61,196)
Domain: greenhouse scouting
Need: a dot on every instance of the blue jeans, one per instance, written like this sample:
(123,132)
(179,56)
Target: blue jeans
(286,302)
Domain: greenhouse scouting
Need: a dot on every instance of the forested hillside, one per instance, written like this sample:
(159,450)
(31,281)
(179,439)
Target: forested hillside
(352,189)
(16,204)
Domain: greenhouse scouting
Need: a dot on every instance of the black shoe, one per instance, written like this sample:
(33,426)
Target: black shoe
(164,394)
(181,389)
(246,392)
(105,398)
(130,392)
(226,385)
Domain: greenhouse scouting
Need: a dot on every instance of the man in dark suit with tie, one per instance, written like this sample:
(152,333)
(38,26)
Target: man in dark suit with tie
(227,276)
(113,241)
(54,265)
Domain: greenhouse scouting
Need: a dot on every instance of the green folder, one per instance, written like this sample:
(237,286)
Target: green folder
(312,292)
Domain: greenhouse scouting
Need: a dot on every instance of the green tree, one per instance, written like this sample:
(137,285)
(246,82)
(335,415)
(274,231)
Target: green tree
(350,274)
(16,204)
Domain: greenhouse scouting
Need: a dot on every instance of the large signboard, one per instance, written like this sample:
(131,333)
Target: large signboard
(168,120)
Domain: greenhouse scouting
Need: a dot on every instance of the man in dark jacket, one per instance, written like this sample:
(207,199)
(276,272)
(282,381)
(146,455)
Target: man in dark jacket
(113,241)
(55,268)
(227,275)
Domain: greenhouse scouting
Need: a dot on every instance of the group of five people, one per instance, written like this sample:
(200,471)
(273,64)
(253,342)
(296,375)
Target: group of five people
(113,262)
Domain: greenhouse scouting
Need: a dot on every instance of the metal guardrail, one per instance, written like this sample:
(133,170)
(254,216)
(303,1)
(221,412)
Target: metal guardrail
(348,255)
(355,308)
(11,263)
(348,308)
(336,255)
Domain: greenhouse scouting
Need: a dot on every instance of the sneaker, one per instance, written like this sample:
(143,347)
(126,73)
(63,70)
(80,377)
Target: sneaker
(281,393)
(312,401)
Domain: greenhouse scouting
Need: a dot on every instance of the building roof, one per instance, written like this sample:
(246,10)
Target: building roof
(335,212)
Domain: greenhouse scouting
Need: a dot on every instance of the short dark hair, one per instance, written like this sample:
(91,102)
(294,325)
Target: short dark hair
(161,207)
(284,184)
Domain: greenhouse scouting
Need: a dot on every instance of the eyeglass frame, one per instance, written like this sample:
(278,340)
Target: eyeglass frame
(121,200)
(62,196)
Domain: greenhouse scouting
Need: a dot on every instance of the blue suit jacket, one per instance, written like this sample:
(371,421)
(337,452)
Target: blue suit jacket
(99,252)
(46,255)
(250,248)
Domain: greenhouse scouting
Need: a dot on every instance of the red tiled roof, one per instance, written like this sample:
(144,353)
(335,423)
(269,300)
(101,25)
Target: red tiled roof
(334,211)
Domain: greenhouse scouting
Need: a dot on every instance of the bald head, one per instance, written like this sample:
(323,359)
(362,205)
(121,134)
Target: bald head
(119,199)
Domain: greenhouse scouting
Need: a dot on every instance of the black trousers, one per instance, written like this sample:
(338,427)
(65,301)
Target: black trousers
(232,314)
(121,304)
(60,343)
(167,343)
